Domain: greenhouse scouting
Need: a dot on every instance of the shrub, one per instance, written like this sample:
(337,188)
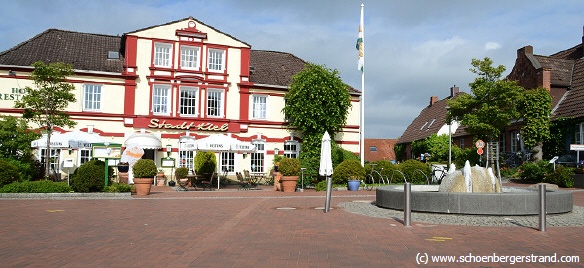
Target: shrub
(386,169)
(535,171)
(144,168)
(118,188)
(8,172)
(346,170)
(289,167)
(27,169)
(205,163)
(311,173)
(42,186)
(181,173)
(414,170)
(561,177)
(321,186)
(89,177)
(509,172)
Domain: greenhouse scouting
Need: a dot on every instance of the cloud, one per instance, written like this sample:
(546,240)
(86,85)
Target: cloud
(492,46)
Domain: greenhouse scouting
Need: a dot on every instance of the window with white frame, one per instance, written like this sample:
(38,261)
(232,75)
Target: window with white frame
(227,161)
(187,159)
(291,149)
(161,99)
(216,60)
(162,54)
(259,107)
(579,135)
(91,97)
(188,100)
(54,159)
(84,156)
(514,141)
(189,57)
(214,102)
(257,157)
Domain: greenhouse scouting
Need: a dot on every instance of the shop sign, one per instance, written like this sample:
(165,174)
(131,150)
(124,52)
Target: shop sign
(155,123)
(13,94)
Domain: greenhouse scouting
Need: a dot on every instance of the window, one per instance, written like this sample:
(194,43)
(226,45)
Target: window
(91,97)
(291,149)
(461,143)
(161,99)
(187,159)
(84,156)
(188,100)
(189,57)
(227,161)
(162,54)
(373,148)
(214,102)
(53,161)
(257,157)
(579,135)
(514,136)
(216,60)
(259,107)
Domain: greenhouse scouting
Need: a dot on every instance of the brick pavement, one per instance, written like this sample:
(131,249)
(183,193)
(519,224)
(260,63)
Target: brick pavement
(249,229)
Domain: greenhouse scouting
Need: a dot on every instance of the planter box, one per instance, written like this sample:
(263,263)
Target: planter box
(578,180)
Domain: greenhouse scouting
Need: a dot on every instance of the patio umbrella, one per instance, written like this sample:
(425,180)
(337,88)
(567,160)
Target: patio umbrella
(326,167)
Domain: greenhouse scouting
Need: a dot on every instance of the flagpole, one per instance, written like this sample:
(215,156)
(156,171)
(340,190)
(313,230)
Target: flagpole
(362,51)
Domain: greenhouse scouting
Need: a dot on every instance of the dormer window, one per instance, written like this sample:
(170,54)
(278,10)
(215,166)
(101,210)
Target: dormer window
(431,123)
(113,55)
(424,125)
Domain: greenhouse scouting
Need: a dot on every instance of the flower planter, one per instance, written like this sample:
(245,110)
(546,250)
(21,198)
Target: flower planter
(289,183)
(354,185)
(160,179)
(143,185)
(123,168)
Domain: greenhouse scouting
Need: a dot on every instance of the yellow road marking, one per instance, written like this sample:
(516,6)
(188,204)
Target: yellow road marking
(438,239)
(441,237)
(55,210)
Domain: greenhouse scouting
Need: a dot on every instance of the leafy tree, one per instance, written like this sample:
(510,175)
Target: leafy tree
(15,138)
(46,103)
(535,110)
(317,101)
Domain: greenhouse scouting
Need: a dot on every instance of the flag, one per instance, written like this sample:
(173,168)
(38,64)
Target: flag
(361,60)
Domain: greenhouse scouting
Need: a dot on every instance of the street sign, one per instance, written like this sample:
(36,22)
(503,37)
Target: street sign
(480,151)
(576,147)
(480,144)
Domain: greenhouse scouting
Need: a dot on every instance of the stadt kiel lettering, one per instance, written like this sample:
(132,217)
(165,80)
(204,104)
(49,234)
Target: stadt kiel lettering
(155,123)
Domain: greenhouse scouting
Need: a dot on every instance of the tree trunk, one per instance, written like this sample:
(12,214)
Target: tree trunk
(48,153)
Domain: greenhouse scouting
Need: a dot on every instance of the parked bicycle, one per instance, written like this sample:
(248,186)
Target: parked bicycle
(374,176)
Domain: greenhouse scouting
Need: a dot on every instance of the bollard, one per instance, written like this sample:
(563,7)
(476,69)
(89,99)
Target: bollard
(407,207)
(329,186)
(542,207)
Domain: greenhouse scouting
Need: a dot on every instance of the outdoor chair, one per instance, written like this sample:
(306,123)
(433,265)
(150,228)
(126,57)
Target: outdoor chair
(243,184)
(182,184)
(208,184)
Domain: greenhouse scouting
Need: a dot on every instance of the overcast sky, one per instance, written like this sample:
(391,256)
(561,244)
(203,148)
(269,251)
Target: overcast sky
(414,49)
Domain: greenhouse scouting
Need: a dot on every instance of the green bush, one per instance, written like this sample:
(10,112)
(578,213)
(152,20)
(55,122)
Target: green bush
(144,168)
(348,169)
(386,169)
(535,171)
(321,186)
(89,177)
(509,172)
(561,177)
(42,186)
(181,173)
(8,172)
(205,163)
(27,169)
(289,167)
(118,188)
(311,173)
(415,171)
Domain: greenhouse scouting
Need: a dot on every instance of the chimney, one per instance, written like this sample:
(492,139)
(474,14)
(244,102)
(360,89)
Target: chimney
(453,91)
(526,50)
(433,100)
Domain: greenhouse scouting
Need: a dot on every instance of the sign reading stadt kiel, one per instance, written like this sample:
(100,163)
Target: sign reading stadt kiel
(156,123)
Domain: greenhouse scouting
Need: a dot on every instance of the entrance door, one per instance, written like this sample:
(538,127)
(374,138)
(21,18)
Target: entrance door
(149,154)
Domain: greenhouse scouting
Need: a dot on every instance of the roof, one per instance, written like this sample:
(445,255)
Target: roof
(428,122)
(84,51)
(273,68)
(383,149)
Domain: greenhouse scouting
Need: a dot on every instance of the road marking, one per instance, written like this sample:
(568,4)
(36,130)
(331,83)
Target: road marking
(55,210)
(439,239)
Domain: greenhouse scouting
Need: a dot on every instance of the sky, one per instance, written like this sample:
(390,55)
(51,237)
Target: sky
(414,49)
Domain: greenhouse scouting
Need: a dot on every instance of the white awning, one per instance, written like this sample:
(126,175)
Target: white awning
(73,139)
(144,141)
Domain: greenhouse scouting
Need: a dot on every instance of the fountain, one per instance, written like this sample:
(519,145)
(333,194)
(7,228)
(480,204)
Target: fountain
(473,190)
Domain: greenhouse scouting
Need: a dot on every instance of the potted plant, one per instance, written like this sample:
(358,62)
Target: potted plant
(144,171)
(181,175)
(160,177)
(290,170)
(123,168)
(349,172)
(276,161)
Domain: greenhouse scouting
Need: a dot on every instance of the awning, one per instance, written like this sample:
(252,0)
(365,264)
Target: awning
(73,139)
(144,141)
(218,143)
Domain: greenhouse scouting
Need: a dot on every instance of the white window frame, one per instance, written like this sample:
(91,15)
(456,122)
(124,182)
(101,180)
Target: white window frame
(187,159)
(288,152)
(84,155)
(579,135)
(217,92)
(92,95)
(162,55)
(216,60)
(259,110)
(193,104)
(189,57)
(227,160)
(161,99)
(258,157)
(54,161)
(513,142)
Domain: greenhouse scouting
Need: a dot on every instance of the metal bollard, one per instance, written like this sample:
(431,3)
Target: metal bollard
(407,205)
(327,203)
(542,207)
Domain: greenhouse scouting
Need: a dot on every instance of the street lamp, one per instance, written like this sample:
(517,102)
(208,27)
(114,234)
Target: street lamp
(168,150)
(449,140)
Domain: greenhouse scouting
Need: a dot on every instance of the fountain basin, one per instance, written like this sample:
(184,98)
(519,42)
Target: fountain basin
(513,201)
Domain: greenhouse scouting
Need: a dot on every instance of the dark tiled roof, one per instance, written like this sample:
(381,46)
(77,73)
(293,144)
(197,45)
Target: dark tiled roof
(384,149)
(83,50)
(274,68)
(572,105)
(561,69)
(430,120)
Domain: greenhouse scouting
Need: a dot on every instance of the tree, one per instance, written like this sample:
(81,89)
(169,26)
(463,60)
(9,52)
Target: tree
(15,138)
(535,110)
(46,103)
(317,101)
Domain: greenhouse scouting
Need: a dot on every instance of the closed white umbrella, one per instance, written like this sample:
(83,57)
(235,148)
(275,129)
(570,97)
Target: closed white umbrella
(326,167)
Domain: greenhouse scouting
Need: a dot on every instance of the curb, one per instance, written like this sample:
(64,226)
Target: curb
(65,195)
